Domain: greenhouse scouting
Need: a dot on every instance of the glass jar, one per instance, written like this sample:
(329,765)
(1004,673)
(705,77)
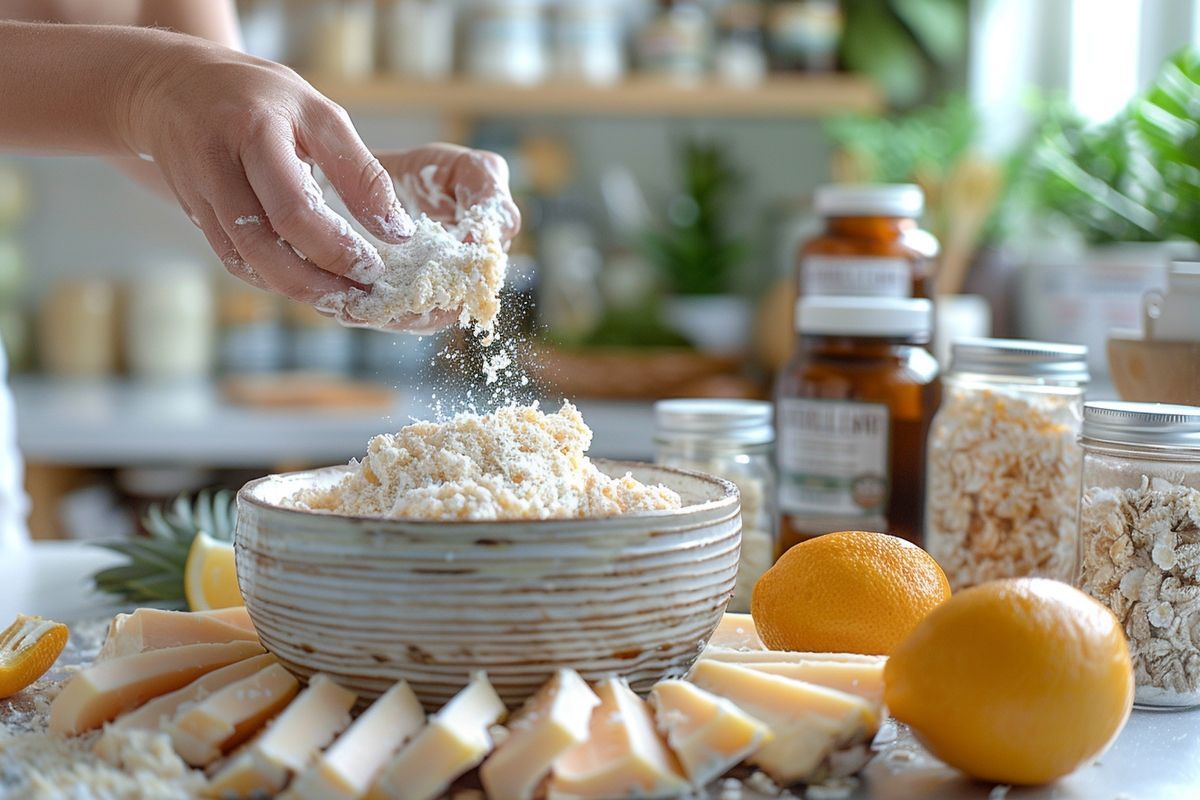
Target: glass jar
(1003,462)
(853,410)
(1139,531)
(732,439)
(871,244)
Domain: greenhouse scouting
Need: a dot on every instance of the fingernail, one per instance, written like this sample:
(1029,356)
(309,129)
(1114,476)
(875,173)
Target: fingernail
(398,224)
(366,269)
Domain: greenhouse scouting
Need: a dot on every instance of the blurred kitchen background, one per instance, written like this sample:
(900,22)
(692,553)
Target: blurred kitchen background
(665,156)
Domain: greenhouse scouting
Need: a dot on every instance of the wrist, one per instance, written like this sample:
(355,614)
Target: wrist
(153,58)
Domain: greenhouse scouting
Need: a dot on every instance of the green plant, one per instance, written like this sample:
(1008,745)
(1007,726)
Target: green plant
(694,249)
(154,571)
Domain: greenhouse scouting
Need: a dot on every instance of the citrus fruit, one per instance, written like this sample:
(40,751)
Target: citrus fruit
(210,575)
(849,592)
(1014,681)
(28,648)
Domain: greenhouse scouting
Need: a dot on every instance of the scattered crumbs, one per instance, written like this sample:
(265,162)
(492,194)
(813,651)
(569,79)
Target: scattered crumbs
(762,783)
(832,789)
(731,789)
(999,792)
(248,219)
(495,364)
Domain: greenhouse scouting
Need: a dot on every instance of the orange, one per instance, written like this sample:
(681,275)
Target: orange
(849,592)
(1015,681)
(28,648)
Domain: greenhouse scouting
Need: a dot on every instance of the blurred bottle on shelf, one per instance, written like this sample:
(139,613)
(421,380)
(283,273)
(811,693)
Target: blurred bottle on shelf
(334,38)
(740,57)
(420,39)
(507,42)
(676,42)
(589,42)
(803,35)
(170,328)
(77,329)
(318,343)
(252,335)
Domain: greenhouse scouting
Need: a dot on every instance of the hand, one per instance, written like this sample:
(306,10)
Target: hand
(235,138)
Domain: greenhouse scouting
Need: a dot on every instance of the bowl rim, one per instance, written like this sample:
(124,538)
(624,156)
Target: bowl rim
(730,496)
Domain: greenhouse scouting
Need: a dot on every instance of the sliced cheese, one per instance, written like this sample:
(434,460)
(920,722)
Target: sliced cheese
(623,756)
(552,722)
(708,734)
(289,745)
(231,715)
(234,615)
(105,690)
(453,741)
(864,680)
(809,722)
(154,628)
(731,655)
(736,632)
(161,710)
(346,769)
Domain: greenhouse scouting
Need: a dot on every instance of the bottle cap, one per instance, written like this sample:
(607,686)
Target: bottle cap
(870,200)
(743,421)
(880,317)
(1154,424)
(1020,358)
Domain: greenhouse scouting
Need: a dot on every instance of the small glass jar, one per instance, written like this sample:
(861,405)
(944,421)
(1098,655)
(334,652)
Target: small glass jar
(1139,530)
(732,439)
(1003,462)
(871,244)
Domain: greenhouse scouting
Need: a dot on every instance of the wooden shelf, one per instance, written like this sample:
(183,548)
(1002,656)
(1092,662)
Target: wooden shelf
(777,98)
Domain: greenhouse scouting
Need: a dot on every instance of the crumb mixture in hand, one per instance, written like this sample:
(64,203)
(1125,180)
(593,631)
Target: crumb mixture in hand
(515,463)
(460,269)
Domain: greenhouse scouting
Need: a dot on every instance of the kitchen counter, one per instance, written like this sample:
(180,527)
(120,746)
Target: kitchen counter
(1156,757)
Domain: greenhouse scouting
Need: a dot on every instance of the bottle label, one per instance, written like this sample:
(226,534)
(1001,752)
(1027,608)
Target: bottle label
(833,458)
(856,276)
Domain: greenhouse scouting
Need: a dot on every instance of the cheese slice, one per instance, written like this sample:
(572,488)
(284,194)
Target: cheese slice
(154,628)
(552,722)
(731,655)
(809,722)
(736,632)
(453,741)
(231,715)
(864,680)
(708,734)
(161,710)
(105,690)
(346,769)
(289,745)
(234,615)
(623,756)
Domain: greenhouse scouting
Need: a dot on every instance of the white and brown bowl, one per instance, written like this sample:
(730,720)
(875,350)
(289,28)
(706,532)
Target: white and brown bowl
(370,601)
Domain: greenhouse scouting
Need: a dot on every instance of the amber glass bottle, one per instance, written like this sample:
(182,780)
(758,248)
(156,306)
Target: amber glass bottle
(852,412)
(871,244)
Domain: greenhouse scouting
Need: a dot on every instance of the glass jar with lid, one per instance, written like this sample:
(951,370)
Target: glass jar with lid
(853,410)
(871,243)
(1139,531)
(1003,461)
(732,439)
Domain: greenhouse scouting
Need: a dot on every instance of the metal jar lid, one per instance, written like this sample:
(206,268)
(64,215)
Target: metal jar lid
(741,421)
(1020,358)
(1155,424)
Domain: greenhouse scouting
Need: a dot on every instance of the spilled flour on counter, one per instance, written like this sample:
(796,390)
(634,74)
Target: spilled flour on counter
(515,463)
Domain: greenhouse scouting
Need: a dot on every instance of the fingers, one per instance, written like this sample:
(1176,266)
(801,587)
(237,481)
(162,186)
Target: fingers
(296,210)
(206,220)
(357,176)
(424,324)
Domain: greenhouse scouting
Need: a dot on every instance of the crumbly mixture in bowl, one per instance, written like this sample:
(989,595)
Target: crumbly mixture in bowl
(1003,487)
(1141,558)
(515,463)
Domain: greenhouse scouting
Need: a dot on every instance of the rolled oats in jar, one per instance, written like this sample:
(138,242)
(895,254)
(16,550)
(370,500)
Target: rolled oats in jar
(732,439)
(1139,528)
(1003,461)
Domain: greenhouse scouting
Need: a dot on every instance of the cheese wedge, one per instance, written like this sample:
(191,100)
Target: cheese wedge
(552,722)
(708,734)
(161,710)
(730,655)
(231,715)
(234,615)
(105,690)
(346,769)
(623,756)
(736,632)
(289,745)
(154,628)
(809,722)
(864,680)
(453,741)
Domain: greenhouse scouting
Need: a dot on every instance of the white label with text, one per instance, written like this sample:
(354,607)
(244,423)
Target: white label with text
(856,276)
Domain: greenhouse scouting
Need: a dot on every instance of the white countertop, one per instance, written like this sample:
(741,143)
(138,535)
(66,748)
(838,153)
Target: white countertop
(116,423)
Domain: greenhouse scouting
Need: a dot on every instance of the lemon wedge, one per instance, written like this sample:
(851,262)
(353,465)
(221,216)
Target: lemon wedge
(28,648)
(210,575)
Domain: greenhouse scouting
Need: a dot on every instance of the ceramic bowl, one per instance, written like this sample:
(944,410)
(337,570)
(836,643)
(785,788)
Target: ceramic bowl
(370,601)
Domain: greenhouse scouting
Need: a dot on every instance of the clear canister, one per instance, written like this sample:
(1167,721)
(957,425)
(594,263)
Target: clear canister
(1139,528)
(1003,461)
(732,439)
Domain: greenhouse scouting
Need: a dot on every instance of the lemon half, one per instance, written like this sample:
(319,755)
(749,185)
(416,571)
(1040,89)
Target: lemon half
(210,575)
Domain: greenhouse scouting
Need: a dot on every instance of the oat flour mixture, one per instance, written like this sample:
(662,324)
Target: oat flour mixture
(515,463)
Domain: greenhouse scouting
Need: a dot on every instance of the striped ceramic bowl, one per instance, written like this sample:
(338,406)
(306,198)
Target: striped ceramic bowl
(370,601)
